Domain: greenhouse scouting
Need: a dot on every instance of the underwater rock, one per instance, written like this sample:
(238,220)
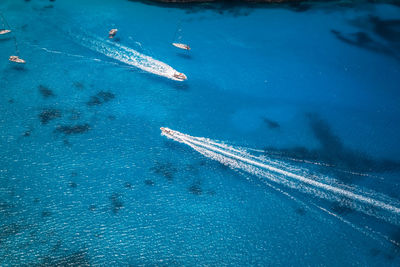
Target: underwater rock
(374,252)
(73,129)
(148,182)
(332,151)
(301,211)
(387,29)
(195,189)
(127,185)
(49,114)
(116,202)
(79,85)
(73,185)
(79,258)
(100,98)
(341,208)
(271,124)
(27,133)
(165,169)
(46,92)
(46,213)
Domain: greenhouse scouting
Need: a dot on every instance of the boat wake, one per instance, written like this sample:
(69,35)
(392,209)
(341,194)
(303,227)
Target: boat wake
(129,56)
(289,176)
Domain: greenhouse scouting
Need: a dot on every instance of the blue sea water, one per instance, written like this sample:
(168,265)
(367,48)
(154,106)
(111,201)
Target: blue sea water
(87,179)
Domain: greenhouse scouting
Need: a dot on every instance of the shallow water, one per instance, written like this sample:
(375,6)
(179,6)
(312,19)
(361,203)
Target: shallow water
(86,177)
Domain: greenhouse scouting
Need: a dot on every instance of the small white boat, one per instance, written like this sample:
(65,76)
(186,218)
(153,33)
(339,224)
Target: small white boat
(180,76)
(16,59)
(181,46)
(165,130)
(4,31)
(112,33)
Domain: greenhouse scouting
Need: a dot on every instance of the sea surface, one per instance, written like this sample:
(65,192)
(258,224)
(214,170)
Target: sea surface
(295,110)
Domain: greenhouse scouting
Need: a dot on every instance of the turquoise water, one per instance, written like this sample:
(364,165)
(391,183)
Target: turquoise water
(86,177)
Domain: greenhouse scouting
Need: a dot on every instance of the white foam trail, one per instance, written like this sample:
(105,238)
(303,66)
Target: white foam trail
(363,200)
(128,56)
(83,57)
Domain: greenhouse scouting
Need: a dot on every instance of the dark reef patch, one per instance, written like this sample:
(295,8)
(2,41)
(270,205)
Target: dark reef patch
(73,184)
(378,29)
(73,129)
(128,185)
(341,207)
(27,133)
(79,85)
(100,98)
(67,143)
(364,41)
(9,230)
(195,189)
(387,29)
(299,6)
(11,101)
(46,92)
(49,114)
(116,202)
(300,211)
(79,258)
(271,124)
(333,152)
(374,252)
(148,182)
(165,169)
(46,213)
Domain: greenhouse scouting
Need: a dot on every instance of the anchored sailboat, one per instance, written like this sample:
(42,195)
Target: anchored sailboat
(181,46)
(16,59)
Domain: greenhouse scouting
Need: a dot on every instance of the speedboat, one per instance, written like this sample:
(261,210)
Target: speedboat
(112,33)
(4,31)
(180,76)
(166,130)
(16,59)
(181,46)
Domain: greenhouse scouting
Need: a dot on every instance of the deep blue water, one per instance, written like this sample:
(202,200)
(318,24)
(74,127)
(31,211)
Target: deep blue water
(86,177)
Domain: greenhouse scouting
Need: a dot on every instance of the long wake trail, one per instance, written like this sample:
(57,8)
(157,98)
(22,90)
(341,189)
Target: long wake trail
(127,55)
(275,171)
